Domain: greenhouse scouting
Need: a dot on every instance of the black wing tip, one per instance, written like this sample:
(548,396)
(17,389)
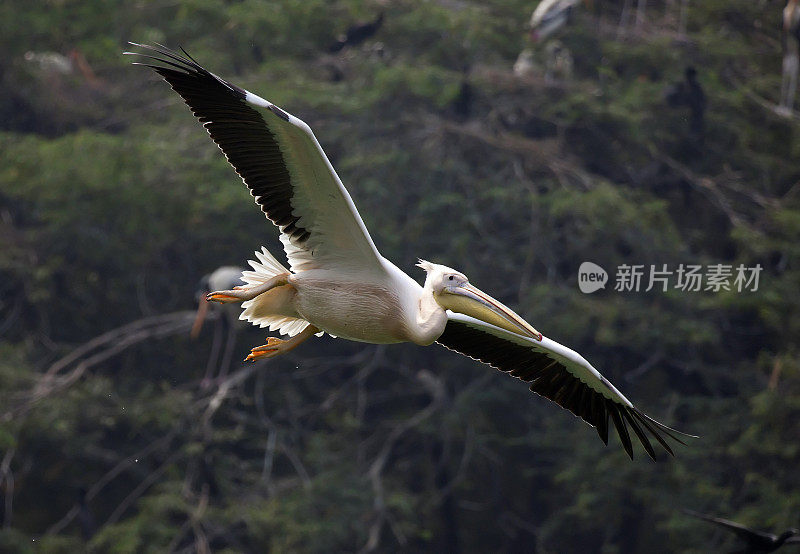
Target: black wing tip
(666,429)
(622,416)
(568,392)
(738,528)
(658,430)
(185,65)
(622,429)
(186,61)
(641,435)
(700,515)
(160,48)
(185,53)
(174,59)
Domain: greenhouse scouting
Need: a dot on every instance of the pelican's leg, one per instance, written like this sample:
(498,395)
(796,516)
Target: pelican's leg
(276,347)
(240,294)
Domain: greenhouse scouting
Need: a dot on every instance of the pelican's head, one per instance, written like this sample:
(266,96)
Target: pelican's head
(452,291)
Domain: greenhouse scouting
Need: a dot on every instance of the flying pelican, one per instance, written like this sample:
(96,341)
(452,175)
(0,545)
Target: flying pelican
(757,541)
(338,282)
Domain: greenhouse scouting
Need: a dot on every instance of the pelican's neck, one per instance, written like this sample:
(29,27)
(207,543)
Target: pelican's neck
(431,318)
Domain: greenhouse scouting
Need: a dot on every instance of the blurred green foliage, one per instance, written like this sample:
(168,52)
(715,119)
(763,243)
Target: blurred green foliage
(113,203)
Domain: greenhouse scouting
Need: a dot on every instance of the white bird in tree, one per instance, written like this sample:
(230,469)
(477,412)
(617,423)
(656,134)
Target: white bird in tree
(225,277)
(338,282)
(549,16)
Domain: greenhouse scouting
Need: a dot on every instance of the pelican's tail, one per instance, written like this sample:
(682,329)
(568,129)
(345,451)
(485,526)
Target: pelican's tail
(268,309)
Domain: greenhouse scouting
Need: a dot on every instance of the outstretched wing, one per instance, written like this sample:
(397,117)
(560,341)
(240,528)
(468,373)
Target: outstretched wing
(280,161)
(559,374)
(750,535)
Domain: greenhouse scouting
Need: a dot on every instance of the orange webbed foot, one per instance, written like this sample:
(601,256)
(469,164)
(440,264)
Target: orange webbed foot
(274,347)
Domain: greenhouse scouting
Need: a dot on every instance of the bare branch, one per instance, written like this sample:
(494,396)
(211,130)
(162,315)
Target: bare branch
(106,346)
(363,373)
(148,481)
(126,463)
(375,471)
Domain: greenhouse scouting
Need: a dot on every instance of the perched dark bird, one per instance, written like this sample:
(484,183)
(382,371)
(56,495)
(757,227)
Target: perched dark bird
(357,34)
(461,105)
(689,93)
(758,542)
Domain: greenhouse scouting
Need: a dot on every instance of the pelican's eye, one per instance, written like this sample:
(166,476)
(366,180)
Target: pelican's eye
(451,278)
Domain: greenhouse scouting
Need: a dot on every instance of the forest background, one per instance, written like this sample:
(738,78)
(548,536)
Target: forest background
(114,203)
